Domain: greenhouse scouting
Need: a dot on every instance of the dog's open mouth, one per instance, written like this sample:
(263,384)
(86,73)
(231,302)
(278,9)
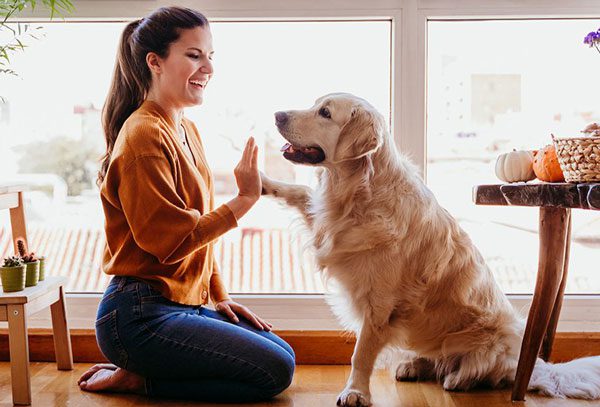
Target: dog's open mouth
(310,155)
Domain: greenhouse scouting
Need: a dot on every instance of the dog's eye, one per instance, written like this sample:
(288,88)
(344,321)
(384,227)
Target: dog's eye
(325,113)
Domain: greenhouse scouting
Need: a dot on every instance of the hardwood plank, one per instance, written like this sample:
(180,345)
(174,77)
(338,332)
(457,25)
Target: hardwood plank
(313,386)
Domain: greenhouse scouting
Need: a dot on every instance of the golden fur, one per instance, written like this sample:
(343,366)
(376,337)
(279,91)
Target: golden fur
(403,274)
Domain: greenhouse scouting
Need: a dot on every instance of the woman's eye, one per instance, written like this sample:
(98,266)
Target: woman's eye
(325,113)
(193,56)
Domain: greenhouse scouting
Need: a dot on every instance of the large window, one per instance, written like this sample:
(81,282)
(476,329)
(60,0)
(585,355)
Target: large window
(51,137)
(494,86)
(264,66)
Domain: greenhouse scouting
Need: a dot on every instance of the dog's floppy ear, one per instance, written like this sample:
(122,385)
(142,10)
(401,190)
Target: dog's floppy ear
(360,136)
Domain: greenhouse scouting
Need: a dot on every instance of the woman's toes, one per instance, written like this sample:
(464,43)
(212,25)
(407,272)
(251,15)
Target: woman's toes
(90,372)
(118,380)
(99,381)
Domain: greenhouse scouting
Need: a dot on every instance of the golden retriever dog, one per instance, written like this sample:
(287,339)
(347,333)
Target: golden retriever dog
(401,272)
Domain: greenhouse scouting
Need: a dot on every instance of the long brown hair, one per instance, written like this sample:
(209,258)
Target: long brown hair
(131,78)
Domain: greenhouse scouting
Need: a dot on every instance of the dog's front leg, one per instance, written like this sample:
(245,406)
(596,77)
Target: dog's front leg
(370,342)
(297,196)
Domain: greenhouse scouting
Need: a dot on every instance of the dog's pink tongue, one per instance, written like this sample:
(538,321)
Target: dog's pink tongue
(286,147)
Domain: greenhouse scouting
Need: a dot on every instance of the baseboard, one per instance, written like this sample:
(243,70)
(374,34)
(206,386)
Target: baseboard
(311,347)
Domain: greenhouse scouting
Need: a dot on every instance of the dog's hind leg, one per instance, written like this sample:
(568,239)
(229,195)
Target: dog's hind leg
(297,196)
(370,342)
(478,367)
(413,368)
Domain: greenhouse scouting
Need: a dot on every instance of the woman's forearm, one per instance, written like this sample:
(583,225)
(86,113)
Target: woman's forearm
(241,204)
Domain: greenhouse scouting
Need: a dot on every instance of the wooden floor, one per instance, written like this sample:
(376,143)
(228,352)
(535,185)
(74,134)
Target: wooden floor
(313,386)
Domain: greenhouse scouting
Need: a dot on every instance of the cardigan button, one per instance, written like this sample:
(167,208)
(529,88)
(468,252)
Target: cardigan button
(204,294)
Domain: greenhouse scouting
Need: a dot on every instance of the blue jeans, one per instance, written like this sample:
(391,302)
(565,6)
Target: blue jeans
(189,352)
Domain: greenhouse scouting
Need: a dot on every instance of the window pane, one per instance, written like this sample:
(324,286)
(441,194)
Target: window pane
(494,86)
(50,123)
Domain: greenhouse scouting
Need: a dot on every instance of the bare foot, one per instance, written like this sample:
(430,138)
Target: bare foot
(94,369)
(110,378)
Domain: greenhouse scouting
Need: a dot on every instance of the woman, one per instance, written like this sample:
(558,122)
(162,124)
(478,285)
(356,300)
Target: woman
(157,196)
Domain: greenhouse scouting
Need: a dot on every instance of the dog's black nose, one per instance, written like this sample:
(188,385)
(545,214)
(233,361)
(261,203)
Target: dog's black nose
(281,118)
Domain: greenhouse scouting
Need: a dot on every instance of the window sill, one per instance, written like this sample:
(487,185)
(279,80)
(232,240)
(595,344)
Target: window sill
(580,313)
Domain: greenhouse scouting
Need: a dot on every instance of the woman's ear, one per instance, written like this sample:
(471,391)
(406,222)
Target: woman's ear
(359,137)
(154,63)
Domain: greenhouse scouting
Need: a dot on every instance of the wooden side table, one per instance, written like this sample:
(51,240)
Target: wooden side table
(555,201)
(16,306)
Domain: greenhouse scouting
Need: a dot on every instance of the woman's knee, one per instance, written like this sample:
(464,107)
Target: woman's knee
(281,369)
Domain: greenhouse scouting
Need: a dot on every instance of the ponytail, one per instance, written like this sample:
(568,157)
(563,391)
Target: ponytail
(125,95)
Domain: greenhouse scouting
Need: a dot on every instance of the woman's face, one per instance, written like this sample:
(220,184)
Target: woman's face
(187,69)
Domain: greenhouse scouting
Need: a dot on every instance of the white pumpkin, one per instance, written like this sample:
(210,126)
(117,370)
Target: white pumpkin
(515,166)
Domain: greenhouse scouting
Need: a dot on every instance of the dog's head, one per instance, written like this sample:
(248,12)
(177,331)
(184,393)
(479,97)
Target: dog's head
(339,127)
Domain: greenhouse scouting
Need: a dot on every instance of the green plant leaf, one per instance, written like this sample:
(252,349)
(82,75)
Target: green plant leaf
(10,8)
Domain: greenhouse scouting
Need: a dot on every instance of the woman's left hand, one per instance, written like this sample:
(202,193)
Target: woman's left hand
(232,309)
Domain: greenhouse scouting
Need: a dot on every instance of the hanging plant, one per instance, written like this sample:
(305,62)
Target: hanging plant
(16,34)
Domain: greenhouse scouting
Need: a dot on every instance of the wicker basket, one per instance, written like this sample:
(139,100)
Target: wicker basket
(579,158)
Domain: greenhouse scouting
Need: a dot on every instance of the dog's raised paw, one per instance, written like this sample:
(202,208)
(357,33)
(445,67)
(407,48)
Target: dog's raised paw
(353,398)
(268,186)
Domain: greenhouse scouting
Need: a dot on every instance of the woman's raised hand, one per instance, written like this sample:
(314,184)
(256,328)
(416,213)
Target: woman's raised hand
(247,179)
(246,172)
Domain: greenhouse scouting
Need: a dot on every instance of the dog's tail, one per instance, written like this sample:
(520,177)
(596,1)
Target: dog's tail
(579,379)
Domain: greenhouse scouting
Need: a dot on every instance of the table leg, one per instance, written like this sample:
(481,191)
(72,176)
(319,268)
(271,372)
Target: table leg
(17,223)
(62,339)
(551,331)
(19,354)
(553,239)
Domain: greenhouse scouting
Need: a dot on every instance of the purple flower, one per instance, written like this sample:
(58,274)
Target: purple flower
(593,39)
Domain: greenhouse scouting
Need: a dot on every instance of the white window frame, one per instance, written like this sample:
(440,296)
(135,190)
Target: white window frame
(409,20)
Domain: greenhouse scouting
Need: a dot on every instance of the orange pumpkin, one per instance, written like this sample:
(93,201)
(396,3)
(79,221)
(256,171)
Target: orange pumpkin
(545,165)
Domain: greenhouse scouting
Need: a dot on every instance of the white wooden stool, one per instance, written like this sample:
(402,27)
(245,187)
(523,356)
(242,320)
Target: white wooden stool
(15,308)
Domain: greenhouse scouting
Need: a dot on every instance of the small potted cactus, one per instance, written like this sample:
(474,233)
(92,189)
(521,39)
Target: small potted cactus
(12,274)
(32,264)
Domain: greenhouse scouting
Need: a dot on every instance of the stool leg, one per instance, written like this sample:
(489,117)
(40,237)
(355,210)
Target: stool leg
(553,234)
(551,331)
(19,354)
(62,339)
